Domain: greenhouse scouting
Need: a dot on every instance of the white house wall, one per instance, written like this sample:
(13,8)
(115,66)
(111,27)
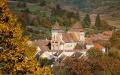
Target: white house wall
(66,54)
(82,36)
(103,50)
(89,46)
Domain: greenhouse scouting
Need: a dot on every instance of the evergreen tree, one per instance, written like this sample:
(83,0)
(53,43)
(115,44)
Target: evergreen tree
(53,20)
(86,21)
(98,22)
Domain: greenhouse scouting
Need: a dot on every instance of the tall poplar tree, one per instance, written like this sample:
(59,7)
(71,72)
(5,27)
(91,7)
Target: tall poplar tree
(86,21)
(98,22)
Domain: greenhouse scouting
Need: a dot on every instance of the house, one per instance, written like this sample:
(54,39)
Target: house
(41,45)
(66,53)
(79,31)
(48,54)
(104,36)
(95,45)
(67,40)
(89,45)
(77,54)
(69,43)
(98,46)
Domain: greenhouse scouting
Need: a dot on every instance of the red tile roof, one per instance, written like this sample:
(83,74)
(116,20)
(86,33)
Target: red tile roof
(70,37)
(98,46)
(75,36)
(107,33)
(43,44)
(101,36)
(67,37)
(77,27)
(104,36)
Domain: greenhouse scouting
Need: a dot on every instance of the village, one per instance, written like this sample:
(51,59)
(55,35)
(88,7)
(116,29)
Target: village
(59,37)
(71,43)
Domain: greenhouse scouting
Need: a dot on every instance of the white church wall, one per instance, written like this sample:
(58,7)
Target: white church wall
(82,36)
(69,46)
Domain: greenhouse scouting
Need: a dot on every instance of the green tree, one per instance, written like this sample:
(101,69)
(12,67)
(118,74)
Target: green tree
(98,22)
(86,21)
(95,53)
(53,20)
(45,62)
(65,23)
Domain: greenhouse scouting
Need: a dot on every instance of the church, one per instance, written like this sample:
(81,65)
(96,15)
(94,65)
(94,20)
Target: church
(67,40)
(66,43)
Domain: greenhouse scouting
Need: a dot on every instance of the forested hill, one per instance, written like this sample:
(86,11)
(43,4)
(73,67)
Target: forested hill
(37,16)
(99,6)
(111,7)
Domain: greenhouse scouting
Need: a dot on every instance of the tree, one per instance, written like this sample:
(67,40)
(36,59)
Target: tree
(115,39)
(105,26)
(16,56)
(96,64)
(98,22)
(104,64)
(53,20)
(76,66)
(42,2)
(22,3)
(44,62)
(65,23)
(46,71)
(86,21)
(95,53)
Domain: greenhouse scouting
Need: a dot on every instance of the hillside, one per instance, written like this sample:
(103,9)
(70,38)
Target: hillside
(34,17)
(38,16)
(110,9)
(98,6)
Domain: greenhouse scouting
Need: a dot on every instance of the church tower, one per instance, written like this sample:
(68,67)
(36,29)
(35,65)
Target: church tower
(56,37)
